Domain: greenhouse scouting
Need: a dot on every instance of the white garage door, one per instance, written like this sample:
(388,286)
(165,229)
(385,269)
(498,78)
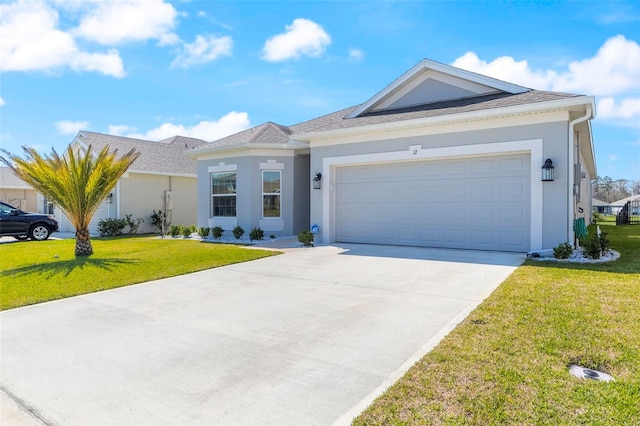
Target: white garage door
(473,203)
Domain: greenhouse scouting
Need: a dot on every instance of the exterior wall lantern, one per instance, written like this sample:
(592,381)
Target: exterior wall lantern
(316,181)
(547,170)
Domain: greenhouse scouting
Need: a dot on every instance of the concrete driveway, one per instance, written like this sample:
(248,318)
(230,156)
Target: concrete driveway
(308,337)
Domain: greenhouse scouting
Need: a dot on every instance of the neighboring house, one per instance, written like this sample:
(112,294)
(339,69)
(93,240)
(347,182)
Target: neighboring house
(19,194)
(617,206)
(161,178)
(600,206)
(441,157)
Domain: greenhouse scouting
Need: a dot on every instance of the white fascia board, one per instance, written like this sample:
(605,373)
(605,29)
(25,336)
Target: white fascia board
(539,107)
(152,173)
(445,69)
(247,149)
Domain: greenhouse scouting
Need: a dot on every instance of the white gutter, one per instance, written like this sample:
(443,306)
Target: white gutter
(571,171)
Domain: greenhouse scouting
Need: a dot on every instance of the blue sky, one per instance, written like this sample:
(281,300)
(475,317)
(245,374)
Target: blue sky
(152,68)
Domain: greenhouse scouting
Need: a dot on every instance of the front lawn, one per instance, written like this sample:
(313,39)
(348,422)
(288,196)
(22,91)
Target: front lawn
(507,362)
(39,271)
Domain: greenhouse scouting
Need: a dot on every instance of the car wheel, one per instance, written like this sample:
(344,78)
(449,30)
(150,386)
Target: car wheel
(21,237)
(39,232)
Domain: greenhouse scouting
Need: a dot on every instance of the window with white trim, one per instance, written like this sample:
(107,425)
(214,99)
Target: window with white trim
(223,194)
(271,180)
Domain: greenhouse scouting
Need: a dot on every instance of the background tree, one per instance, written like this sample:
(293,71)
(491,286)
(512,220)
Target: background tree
(77,182)
(609,190)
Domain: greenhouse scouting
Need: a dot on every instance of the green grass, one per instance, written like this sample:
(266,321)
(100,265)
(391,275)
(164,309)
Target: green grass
(507,362)
(34,272)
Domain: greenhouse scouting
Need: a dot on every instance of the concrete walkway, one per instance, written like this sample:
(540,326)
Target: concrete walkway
(308,337)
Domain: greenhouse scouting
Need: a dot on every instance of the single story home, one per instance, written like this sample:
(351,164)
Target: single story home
(441,157)
(161,178)
(617,206)
(601,207)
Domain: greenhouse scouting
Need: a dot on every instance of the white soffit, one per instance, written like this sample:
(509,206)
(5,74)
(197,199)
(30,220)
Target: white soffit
(431,81)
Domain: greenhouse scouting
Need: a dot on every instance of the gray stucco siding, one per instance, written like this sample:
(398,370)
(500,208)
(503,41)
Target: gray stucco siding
(554,139)
(249,195)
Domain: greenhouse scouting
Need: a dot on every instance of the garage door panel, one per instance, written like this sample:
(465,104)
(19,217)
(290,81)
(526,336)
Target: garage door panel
(478,203)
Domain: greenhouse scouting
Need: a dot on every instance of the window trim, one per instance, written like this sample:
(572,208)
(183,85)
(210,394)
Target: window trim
(212,173)
(278,194)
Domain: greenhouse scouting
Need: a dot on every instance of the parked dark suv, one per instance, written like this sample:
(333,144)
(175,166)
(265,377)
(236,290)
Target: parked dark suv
(22,225)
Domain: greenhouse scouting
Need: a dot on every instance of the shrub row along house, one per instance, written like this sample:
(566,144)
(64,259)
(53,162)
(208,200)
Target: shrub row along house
(441,157)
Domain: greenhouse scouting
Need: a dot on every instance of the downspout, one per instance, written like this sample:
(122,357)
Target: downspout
(571,172)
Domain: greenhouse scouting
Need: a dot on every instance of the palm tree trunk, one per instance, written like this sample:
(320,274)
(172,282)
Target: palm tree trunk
(83,243)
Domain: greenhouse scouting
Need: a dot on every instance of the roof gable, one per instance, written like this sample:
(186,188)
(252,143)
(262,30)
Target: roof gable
(432,82)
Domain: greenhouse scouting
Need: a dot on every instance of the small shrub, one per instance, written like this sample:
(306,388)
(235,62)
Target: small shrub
(597,217)
(603,242)
(159,220)
(562,251)
(175,230)
(306,238)
(133,224)
(111,227)
(256,234)
(238,232)
(272,236)
(216,232)
(186,231)
(591,246)
(204,232)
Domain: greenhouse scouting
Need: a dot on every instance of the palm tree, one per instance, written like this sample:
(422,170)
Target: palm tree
(77,182)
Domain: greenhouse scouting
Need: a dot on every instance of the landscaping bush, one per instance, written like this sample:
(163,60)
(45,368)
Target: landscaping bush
(597,217)
(133,224)
(159,220)
(256,234)
(238,232)
(111,227)
(175,230)
(216,232)
(562,251)
(306,238)
(187,231)
(203,232)
(591,246)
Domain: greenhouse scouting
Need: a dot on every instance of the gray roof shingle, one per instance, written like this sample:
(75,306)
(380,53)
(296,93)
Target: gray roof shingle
(9,180)
(164,157)
(275,133)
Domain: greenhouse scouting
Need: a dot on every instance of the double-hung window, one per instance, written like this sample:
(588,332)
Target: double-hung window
(271,184)
(223,194)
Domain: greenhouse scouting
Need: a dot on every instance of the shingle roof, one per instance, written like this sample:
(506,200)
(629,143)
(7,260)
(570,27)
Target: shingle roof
(275,133)
(163,157)
(478,103)
(264,133)
(625,200)
(9,180)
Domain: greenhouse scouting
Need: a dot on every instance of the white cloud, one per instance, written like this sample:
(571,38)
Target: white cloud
(356,55)
(120,129)
(2,102)
(71,127)
(626,109)
(302,37)
(612,75)
(121,21)
(231,123)
(31,41)
(507,69)
(613,70)
(204,49)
